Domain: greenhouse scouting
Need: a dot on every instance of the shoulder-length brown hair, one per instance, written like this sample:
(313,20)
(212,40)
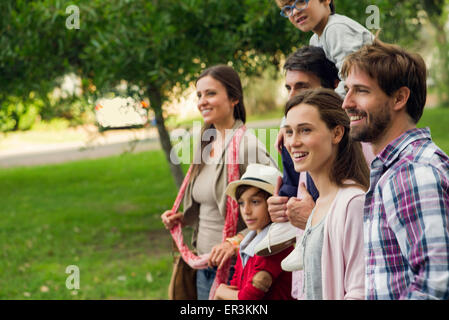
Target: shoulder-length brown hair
(230,79)
(350,162)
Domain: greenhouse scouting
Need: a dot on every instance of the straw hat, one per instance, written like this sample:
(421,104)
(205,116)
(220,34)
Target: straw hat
(256,175)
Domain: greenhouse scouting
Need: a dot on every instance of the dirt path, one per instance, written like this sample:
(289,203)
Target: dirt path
(40,148)
(88,143)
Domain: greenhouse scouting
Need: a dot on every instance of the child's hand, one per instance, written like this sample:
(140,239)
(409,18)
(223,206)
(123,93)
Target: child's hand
(277,206)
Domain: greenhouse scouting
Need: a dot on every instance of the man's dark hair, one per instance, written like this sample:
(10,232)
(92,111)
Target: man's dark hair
(313,59)
(332,7)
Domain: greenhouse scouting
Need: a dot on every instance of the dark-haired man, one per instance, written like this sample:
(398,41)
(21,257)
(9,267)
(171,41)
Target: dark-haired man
(306,68)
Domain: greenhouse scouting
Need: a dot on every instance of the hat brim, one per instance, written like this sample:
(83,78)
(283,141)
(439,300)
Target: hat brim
(232,187)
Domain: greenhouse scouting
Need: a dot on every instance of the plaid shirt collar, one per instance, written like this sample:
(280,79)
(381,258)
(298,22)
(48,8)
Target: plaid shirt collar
(392,151)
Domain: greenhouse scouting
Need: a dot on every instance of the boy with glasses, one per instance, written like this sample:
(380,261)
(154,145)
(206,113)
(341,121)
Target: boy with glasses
(338,35)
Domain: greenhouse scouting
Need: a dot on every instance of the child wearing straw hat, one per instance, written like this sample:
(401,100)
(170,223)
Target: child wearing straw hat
(256,277)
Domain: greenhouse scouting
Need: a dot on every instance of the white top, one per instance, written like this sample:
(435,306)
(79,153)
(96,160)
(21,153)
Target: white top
(312,248)
(248,244)
(211,222)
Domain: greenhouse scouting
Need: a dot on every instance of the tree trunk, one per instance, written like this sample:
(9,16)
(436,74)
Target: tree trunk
(164,137)
(443,47)
(437,16)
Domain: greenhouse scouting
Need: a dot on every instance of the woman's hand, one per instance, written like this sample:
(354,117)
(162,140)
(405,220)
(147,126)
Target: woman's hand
(170,219)
(220,254)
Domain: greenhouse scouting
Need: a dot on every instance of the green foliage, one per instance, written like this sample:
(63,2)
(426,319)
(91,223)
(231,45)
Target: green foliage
(28,118)
(156,44)
(36,47)
(73,108)
(437,12)
(16,114)
(7,122)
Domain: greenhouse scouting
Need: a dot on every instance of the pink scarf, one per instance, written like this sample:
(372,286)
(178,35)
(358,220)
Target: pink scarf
(232,215)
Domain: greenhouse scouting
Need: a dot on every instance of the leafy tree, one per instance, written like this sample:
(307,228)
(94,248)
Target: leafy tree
(155,45)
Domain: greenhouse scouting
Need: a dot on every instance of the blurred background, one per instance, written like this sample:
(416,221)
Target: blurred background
(91,94)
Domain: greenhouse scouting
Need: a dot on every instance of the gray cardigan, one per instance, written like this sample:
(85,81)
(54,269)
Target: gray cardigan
(249,147)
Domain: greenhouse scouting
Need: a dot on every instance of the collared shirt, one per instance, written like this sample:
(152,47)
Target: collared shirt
(248,244)
(406,220)
(248,265)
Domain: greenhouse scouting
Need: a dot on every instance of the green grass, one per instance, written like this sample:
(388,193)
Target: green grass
(437,120)
(102,216)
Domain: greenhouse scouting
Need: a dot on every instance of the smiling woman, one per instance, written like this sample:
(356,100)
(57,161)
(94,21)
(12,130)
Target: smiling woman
(206,207)
(317,138)
(316,116)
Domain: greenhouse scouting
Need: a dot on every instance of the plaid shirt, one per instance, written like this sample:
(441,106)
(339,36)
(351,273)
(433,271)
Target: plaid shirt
(406,221)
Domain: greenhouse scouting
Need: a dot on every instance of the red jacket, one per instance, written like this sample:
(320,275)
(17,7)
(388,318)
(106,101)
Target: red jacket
(281,286)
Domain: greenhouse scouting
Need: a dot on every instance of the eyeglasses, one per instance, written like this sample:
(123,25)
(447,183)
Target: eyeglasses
(287,11)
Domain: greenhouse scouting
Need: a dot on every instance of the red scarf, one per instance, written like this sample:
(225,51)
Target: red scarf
(232,216)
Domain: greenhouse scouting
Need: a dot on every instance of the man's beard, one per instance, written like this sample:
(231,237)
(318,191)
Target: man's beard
(377,123)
